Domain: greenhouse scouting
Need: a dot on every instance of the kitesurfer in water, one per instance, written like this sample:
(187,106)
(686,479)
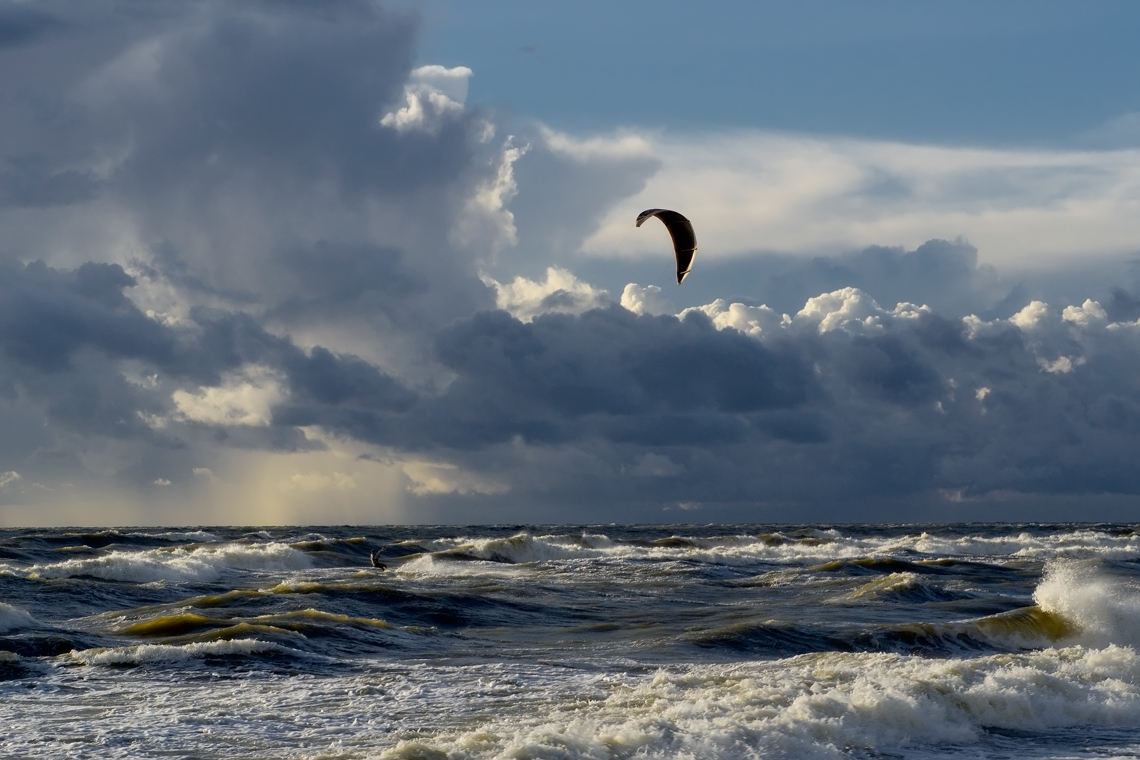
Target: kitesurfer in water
(375,557)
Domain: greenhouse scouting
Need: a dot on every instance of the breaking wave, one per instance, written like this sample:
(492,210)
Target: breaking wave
(823,705)
(13,618)
(801,545)
(197,563)
(1102,606)
(167,653)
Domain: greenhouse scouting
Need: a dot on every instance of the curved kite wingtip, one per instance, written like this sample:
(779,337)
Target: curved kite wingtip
(649,213)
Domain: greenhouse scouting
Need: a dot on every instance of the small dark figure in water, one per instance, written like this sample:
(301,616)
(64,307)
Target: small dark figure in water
(375,556)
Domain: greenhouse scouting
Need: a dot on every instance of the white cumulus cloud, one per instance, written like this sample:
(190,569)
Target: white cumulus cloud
(244,398)
(560,293)
(647,300)
(433,93)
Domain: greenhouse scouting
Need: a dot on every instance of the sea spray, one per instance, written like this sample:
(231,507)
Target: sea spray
(1103,606)
(13,618)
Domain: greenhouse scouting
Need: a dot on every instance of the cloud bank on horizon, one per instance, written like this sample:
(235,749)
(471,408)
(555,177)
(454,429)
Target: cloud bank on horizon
(258,266)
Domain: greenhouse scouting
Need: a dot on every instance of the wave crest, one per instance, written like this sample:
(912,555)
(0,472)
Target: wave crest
(14,618)
(198,563)
(1102,606)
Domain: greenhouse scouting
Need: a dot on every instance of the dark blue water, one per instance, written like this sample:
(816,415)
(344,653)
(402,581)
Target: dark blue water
(555,641)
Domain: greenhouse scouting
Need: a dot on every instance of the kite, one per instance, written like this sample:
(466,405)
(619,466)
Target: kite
(684,239)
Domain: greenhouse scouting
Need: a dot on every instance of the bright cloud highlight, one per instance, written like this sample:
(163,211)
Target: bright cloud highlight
(757,191)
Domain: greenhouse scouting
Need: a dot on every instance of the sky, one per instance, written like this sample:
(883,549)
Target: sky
(293,262)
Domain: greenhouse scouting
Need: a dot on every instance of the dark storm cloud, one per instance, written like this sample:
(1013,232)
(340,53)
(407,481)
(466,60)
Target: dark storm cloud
(609,373)
(46,316)
(1123,306)
(62,332)
(324,378)
(242,142)
(20,24)
(901,406)
(347,280)
(30,181)
(888,368)
(230,157)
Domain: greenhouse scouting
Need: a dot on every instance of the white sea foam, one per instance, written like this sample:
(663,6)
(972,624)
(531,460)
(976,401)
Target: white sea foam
(13,618)
(177,535)
(520,548)
(1103,606)
(825,545)
(154,653)
(802,546)
(813,706)
(200,563)
(523,548)
(1076,543)
(430,566)
(826,705)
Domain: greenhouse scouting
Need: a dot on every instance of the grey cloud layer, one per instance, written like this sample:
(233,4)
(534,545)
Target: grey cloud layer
(212,242)
(192,183)
(846,402)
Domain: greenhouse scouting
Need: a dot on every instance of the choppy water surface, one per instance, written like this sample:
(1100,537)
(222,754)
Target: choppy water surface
(974,641)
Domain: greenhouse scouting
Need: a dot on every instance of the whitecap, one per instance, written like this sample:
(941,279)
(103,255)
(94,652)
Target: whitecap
(1103,607)
(14,618)
(200,563)
(158,653)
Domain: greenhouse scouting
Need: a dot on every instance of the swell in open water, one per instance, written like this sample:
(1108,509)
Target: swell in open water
(681,641)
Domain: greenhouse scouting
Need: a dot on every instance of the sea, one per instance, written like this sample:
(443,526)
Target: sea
(555,641)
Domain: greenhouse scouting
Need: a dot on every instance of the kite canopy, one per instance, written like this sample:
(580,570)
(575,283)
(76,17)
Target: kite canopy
(684,239)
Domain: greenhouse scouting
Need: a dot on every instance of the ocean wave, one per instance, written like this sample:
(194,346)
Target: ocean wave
(455,564)
(521,548)
(1024,629)
(874,565)
(319,543)
(806,545)
(1080,542)
(199,536)
(172,625)
(771,639)
(198,563)
(14,618)
(728,549)
(167,653)
(904,587)
(297,621)
(1079,602)
(1102,606)
(825,705)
